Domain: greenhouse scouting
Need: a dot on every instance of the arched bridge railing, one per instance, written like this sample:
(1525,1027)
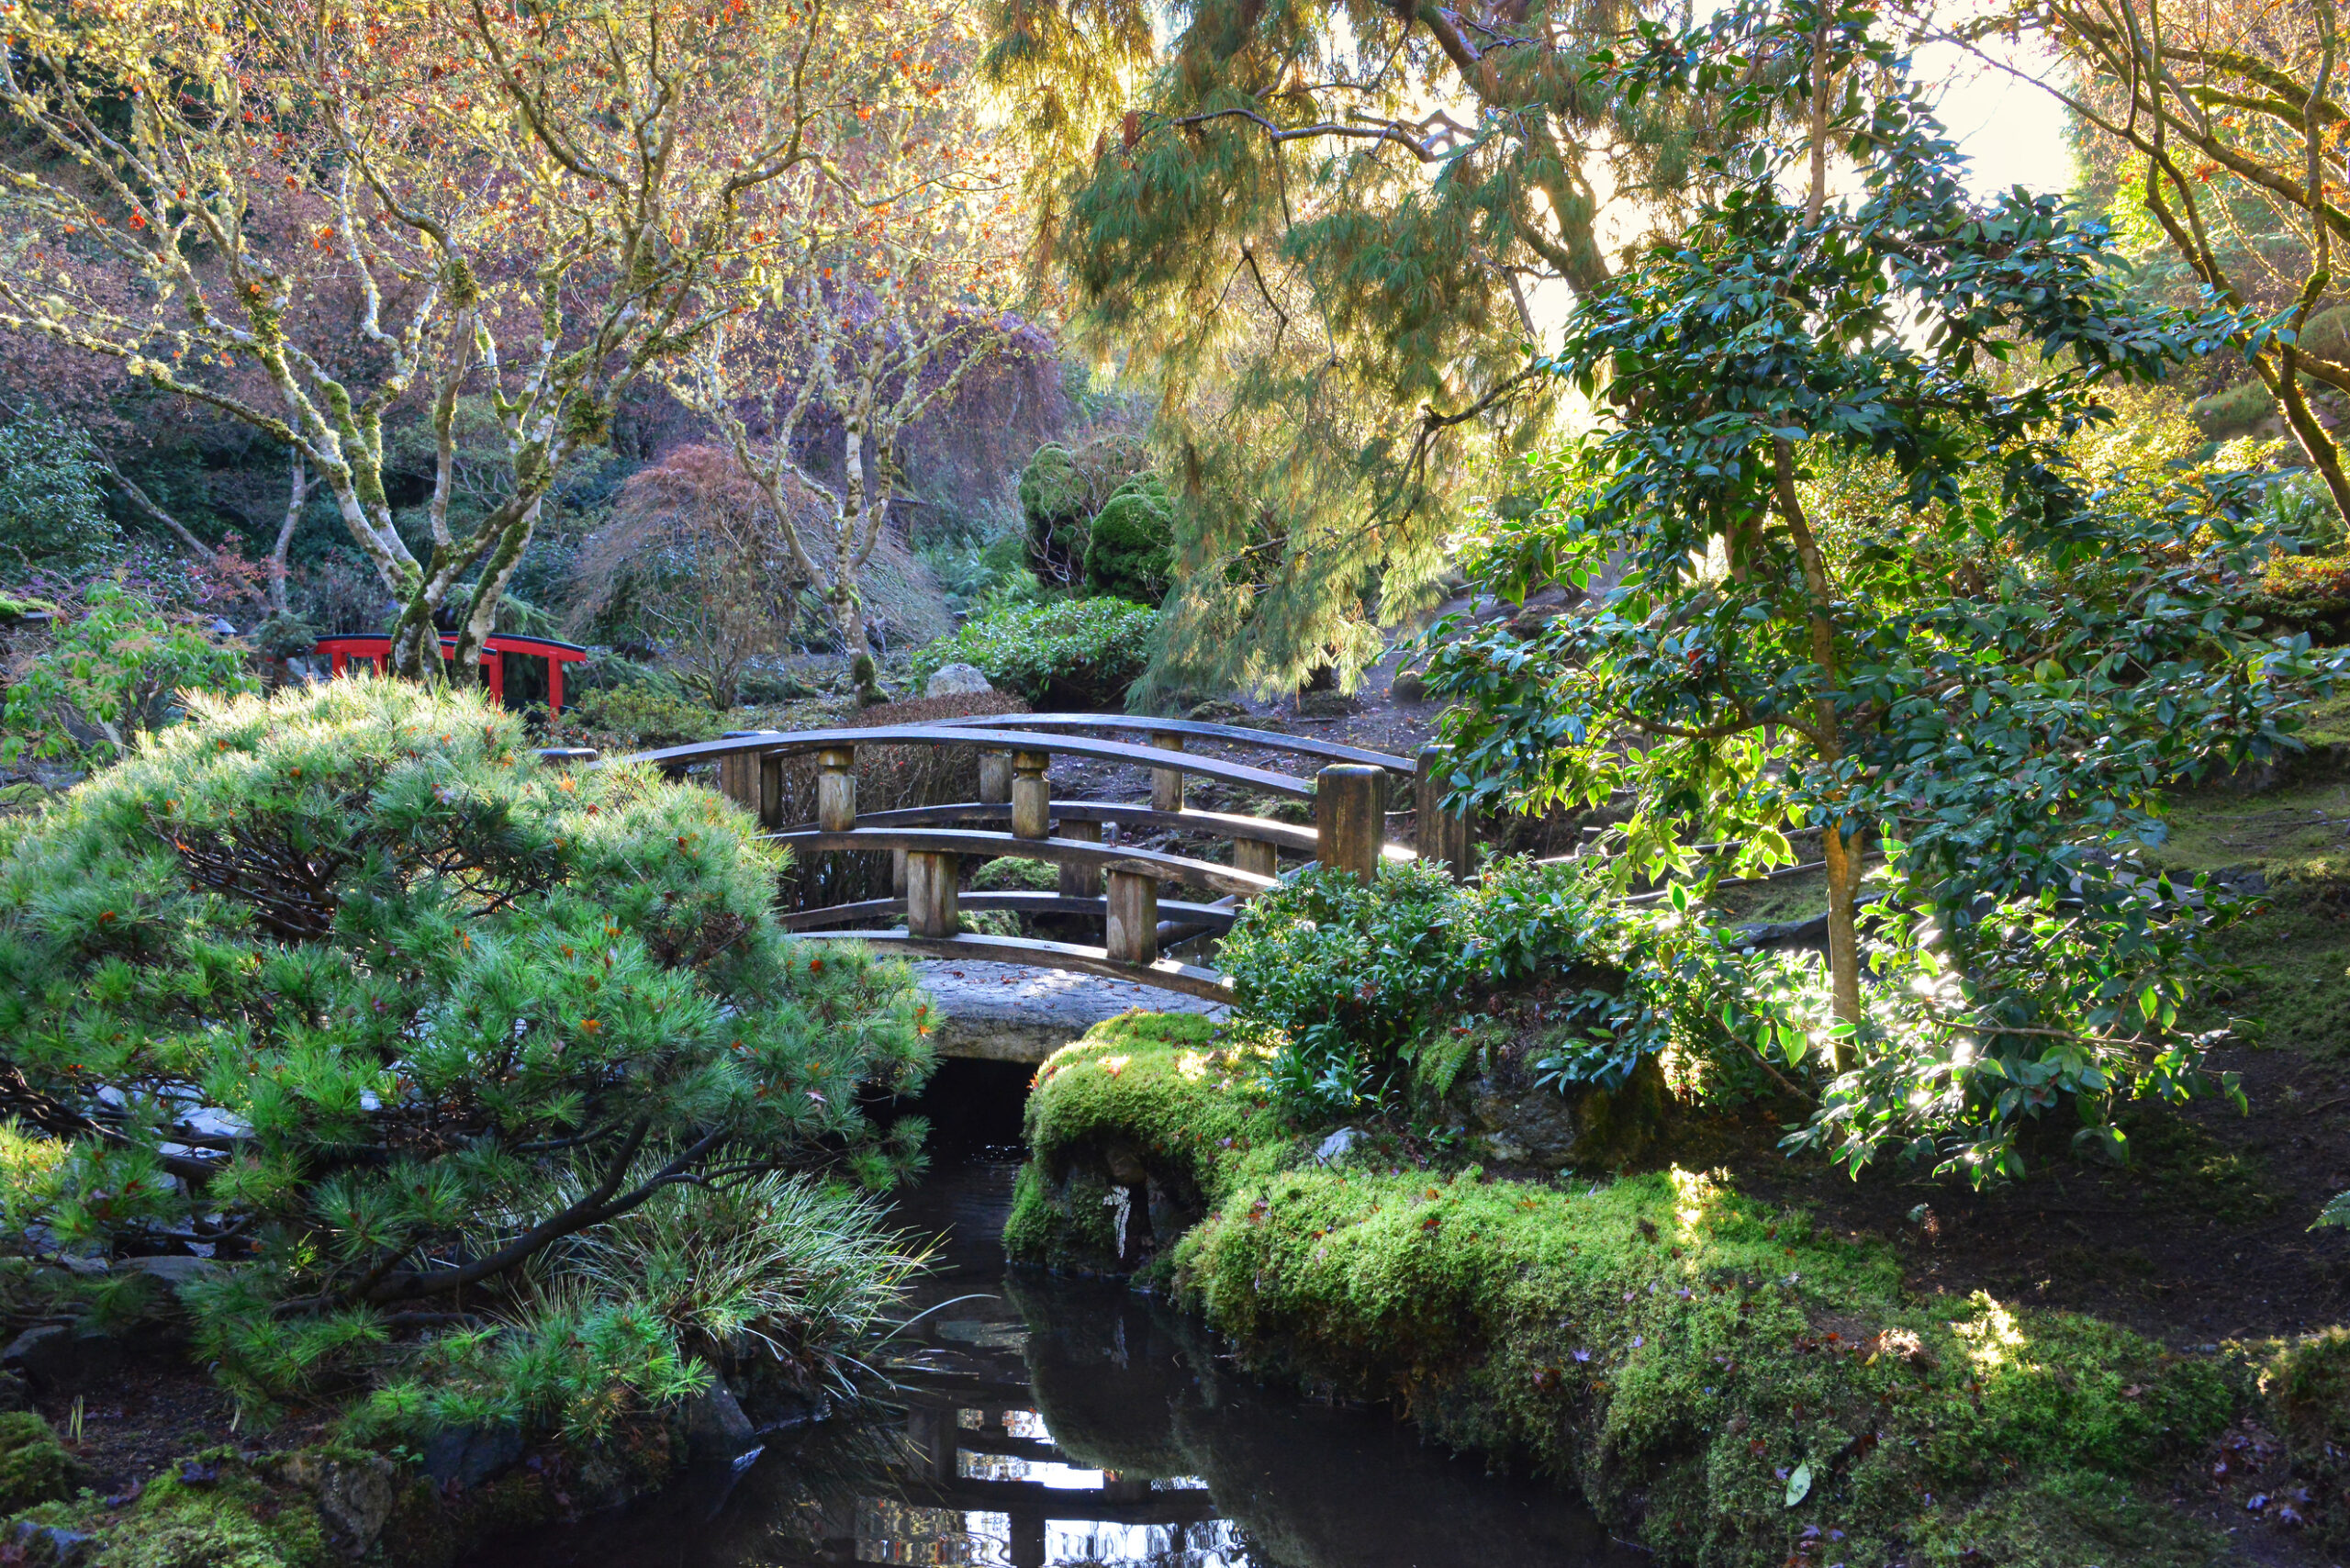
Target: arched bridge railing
(1017,815)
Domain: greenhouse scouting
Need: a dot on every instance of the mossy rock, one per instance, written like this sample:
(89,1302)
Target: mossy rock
(1677,1352)
(1129,550)
(2239,411)
(34,1466)
(1514,1120)
(215,1510)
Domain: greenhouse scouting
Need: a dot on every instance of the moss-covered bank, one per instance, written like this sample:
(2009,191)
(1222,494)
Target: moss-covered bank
(1725,1383)
(306,1507)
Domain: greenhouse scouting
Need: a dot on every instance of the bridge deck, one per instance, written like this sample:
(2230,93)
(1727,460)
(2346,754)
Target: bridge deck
(1218,824)
(1164,975)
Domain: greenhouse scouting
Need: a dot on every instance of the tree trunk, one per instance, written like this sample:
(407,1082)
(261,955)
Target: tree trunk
(297,491)
(1840,848)
(481,611)
(2316,441)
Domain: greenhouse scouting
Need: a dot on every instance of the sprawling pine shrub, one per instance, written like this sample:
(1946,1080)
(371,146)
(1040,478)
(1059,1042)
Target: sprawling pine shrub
(411,1028)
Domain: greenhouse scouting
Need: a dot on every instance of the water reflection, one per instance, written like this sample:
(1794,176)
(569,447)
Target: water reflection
(1055,1423)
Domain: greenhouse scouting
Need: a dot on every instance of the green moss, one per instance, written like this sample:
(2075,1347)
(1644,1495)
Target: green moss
(1130,550)
(34,1466)
(2305,1386)
(2239,411)
(1672,1348)
(2062,1520)
(235,1520)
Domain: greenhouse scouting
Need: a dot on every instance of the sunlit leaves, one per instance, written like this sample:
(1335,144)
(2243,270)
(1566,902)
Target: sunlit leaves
(2023,645)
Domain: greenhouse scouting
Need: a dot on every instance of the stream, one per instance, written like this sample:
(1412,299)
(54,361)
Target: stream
(1060,1422)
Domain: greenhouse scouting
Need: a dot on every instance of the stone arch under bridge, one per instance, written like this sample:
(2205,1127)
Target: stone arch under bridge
(1016,814)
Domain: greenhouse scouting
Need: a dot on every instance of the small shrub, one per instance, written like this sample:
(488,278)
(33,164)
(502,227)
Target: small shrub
(285,637)
(639,717)
(1367,986)
(446,1015)
(1130,549)
(1015,874)
(1061,489)
(2310,592)
(53,498)
(114,668)
(1076,653)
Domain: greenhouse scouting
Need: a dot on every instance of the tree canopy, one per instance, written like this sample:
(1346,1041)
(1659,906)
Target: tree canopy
(1326,233)
(1871,593)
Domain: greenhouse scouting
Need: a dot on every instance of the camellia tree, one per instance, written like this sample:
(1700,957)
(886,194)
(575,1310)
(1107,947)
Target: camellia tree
(368,205)
(1869,596)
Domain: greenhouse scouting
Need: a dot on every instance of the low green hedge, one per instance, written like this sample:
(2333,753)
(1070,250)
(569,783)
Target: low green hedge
(1072,653)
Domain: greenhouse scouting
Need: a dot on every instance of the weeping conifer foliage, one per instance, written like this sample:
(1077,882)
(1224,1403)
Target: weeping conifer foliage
(1331,232)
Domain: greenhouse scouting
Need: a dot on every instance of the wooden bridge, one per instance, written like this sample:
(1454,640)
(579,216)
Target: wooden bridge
(1017,815)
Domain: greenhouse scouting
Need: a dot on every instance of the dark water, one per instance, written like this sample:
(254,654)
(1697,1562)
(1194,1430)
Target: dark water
(1055,1422)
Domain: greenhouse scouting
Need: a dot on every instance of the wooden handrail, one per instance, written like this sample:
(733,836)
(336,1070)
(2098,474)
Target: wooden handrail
(1217,824)
(1154,863)
(1165,974)
(1271,740)
(1217,917)
(779,742)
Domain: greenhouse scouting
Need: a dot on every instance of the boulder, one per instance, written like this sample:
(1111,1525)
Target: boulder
(172,1271)
(957,680)
(1338,1145)
(715,1424)
(56,1357)
(471,1455)
(1515,1123)
(50,1546)
(354,1492)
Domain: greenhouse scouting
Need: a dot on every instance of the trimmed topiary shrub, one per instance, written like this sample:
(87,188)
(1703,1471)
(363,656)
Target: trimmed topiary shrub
(1066,653)
(349,984)
(1130,549)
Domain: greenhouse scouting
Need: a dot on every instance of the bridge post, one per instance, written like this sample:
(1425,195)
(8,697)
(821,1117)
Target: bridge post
(1350,818)
(836,788)
(739,774)
(1081,881)
(1032,795)
(931,881)
(738,780)
(1444,835)
(771,791)
(995,777)
(1257,856)
(1167,783)
(1133,933)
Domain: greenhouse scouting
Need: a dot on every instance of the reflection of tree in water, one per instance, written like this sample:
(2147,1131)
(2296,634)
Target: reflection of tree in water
(1057,1423)
(1139,1391)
